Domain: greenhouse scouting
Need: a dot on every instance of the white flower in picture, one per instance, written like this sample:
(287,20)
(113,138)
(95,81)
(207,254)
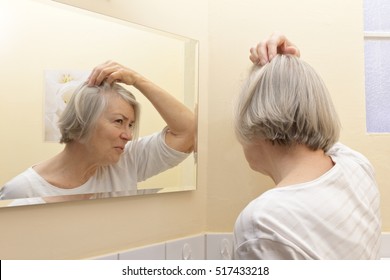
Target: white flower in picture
(59,88)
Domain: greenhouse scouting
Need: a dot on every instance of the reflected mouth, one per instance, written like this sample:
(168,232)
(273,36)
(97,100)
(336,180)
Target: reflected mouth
(120,149)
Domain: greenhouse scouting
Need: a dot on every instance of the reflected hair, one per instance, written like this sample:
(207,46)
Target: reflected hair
(287,103)
(86,106)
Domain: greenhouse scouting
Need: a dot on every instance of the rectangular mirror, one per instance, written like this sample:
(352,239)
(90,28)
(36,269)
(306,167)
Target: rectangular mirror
(38,37)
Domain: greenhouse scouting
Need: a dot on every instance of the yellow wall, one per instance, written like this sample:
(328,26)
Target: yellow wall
(329,34)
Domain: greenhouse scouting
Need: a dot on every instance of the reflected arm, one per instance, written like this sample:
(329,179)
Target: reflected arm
(180,120)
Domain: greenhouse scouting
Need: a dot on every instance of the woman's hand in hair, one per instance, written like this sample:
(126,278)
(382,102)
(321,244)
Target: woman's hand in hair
(111,71)
(271,46)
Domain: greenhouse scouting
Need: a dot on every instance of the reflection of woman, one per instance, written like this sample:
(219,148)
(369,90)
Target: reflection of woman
(326,202)
(97,126)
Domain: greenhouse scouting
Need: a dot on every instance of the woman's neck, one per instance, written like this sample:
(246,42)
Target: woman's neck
(70,168)
(298,164)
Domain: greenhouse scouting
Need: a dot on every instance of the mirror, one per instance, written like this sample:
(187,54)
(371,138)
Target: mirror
(41,39)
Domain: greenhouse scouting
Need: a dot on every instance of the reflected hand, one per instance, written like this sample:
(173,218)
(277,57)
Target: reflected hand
(273,45)
(111,71)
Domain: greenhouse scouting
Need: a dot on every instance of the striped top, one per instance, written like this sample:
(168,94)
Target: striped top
(336,216)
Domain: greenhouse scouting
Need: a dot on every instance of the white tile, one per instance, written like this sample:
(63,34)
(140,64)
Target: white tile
(190,248)
(152,252)
(384,251)
(219,246)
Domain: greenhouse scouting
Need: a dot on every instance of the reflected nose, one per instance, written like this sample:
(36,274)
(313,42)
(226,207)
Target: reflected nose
(127,134)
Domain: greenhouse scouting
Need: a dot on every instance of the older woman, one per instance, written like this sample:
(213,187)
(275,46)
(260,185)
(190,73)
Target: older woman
(97,127)
(325,204)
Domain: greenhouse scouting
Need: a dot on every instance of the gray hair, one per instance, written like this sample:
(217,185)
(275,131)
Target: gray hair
(286,102)
(86,106)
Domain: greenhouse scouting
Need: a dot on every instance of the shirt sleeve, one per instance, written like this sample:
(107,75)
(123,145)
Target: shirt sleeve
(265,249)
(18,187)
(340,149)
(153,156)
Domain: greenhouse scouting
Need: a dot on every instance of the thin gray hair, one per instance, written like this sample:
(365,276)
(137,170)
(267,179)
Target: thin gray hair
(85,107)
(286,102)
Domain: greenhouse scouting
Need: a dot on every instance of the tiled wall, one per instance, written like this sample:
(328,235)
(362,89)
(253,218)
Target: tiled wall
(209,246)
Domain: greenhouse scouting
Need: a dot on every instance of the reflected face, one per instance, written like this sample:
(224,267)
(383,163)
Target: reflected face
(113,130)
